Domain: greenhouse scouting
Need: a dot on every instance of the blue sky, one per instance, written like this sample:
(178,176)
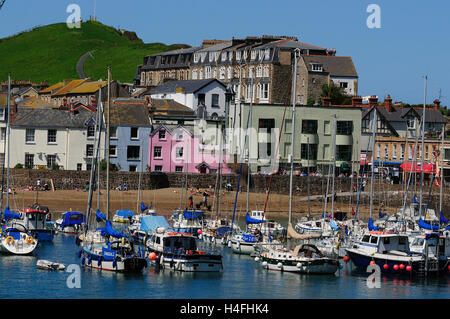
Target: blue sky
(413,40)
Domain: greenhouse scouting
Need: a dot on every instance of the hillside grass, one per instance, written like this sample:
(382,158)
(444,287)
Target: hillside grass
(50,53)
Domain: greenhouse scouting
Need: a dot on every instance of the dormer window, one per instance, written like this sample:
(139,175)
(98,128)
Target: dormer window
(316,67)
(224,56)
(196,57)
(253,54)
(162,134)
(238,55)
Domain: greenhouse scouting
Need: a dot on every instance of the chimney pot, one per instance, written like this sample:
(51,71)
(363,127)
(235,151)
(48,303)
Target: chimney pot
(388,103)
(437,104)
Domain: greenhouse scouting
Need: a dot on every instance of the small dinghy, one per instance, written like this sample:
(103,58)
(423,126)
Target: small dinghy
(49,265)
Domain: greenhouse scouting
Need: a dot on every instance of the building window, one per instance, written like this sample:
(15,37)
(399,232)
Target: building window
(207,72)
(134,133)
(2,114)
(157,151)
(410,152)
(411,123)
(378,151)
(344,153)
(316,67)
(162,134)
(343,85)
(222,73)
(89,150)
(158,168)
(266,125)
(447,154)
(264,150)
(309,126)
(132,168)
(79,167)
(3,134)
(178,168)
(90,131)
(133,152)
(402,151)
(179,152)
(113,151)
(326,127)
(29,160)
(386,151)
(394,152)
(88,167)
(344,127)
(230,72)
(51,136)
(215,100)
(113,132)
(309,151)
(266,71)
(259,71)
(194,75)
(51,161)
(29,135)
(201,99)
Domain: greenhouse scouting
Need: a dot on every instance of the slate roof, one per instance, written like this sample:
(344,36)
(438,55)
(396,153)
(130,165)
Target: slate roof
(398,114)
(334,65)
(190,86)
(171,128)
(129,112)
(35,102)
(51,118)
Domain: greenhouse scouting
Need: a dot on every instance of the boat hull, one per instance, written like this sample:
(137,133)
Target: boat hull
(131,264)
(320,266)
(242,247)
(188,263)
(18,247)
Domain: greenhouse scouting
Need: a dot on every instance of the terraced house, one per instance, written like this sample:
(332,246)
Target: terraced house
(259,69)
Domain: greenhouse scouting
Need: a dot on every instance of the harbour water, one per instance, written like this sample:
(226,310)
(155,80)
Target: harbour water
(242,278)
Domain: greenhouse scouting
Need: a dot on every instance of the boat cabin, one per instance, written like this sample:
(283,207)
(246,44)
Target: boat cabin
(34,218)
(257,214)
(173,242)
(384,242)
(432,244)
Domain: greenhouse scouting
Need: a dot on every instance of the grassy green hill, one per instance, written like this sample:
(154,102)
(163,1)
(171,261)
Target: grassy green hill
(50,53)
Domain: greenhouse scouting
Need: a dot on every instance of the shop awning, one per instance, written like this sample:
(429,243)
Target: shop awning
(410,167)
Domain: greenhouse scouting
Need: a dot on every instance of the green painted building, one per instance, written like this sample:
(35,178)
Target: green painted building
(313,137)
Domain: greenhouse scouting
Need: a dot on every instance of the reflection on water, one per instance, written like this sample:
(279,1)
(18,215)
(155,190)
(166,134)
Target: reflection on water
(242,278)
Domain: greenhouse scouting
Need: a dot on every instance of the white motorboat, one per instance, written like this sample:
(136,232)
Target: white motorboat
(70,222)
(179,252)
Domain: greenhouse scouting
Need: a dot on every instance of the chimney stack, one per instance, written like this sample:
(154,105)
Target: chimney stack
(93,102)
(72,106)
(388,103)
(356,100)
(373,101)
(13,109)
(437,105)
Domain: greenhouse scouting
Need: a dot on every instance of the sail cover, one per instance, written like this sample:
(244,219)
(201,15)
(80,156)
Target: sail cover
(333,225)
(249,220)
(9,214)
(371,225)
(193,214)
(143,207)
(100,216)
(442,219)
(110,231)
(425,225)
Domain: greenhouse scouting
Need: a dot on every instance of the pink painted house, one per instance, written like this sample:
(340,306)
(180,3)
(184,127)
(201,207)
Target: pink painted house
(175,148)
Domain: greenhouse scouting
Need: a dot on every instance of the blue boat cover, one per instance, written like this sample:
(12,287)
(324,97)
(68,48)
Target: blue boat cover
(150,223)
(249,238)
(9,214)
(109,230)
(415,199)
(143,207)
(100,216)
(73,218)
(193,214)
(424,225)
(108,254)
(371,226)
(124,213)
(432,235)
(249,220)
(442,219)
(333,225)
(380,214)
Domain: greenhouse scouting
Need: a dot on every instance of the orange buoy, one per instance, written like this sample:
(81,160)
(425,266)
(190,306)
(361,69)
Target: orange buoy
(372,262)
(386,266)
(395,267)
(402,266)
(346,259)
(408,268)
(152,256)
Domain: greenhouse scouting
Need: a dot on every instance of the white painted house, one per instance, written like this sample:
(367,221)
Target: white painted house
(199,95)
(50,138)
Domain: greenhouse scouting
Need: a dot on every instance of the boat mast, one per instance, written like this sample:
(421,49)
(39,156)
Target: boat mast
(107,142)
(93,166)
(422,151)
(441,188)
(374,128)
(248,145)
(307,184)
(294,94)
(7,139)
(140,179)
(333,173)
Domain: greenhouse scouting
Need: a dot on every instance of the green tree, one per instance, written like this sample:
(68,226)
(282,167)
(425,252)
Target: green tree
(337,94)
